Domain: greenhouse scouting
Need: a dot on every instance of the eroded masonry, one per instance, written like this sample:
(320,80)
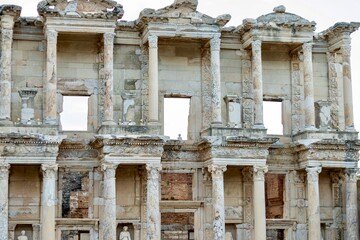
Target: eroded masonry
(123,178)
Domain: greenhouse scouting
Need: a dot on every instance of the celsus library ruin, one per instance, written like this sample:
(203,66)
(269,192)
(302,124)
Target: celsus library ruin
(123,178)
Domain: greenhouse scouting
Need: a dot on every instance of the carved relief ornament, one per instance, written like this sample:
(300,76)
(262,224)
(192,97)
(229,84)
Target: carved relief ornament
(6,34)
(109,38)
(217,171)
(351,175)
(4,171)
(259,172)
(153,171)
(109,170)
(153,41)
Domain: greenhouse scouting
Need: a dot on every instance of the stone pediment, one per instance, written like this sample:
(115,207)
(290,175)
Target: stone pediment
(181,9)
(277,20)
(103,9)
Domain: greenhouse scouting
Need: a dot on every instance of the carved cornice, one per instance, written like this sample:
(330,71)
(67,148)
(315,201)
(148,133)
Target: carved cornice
(340,29)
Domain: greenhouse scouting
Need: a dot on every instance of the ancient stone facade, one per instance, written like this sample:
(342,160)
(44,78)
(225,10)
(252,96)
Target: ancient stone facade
(229,180)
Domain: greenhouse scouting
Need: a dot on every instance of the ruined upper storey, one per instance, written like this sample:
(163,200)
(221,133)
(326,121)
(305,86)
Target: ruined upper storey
(129,69)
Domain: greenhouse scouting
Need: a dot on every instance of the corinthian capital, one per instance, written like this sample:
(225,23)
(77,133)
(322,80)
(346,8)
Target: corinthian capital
(259,172)
(256,45)
(217,170)
(153,41)
(109,170)
(109,38)
(153,171)
(215,43)
(49,170)
(351,175)
(307,47)
(51,36)
(313,173)
(4,171)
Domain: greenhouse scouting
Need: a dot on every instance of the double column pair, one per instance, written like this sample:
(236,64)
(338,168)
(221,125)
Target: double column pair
(48,201)
(352,229)
(108,223)
(217,173)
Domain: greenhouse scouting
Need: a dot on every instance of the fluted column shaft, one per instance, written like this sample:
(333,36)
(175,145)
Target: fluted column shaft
(50,85)
(48,201)
(108,78)
(258,83)
(313,202)
(153,79)
(352,226)
(7,25)
(308,87)
(216,80)
(348,99)
(259,202)
(4,200)
(153,231)
(217,174)
(108,223)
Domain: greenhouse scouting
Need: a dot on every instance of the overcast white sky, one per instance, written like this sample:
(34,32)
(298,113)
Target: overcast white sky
(324,12)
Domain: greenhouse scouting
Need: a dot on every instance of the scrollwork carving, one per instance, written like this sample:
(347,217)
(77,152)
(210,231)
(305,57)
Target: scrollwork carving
(49,170)
(217,171)
(259,172)
(313,174)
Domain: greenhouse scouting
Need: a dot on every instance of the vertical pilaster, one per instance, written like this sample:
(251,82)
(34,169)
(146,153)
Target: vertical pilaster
(108,223)
(153,201)
(4,200)
(313,202)
(153,79)
(352,226)
(48,201)
(259,202)
(309,87)
(36,231)
(217,174)
(108,78)
(7,25)
(216,81)
(257,81)
(348,100)
(137,231)
(50,85)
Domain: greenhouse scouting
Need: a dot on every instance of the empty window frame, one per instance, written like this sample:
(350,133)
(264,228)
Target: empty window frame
(74,116)
(273,117)
(176,117)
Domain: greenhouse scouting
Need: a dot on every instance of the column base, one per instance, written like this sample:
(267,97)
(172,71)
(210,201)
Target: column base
(259,126)
(311,128)
(109,123)
(350,129)
(5,122)
(216,124)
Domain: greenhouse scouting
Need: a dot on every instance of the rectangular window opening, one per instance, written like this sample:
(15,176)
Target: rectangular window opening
(273,117)
(176,117)
(75,113)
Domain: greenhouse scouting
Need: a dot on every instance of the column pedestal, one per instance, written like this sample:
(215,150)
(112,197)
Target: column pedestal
(48,201)
(108,223)
(153,231)
(314,202)
(217,173)
(259,202)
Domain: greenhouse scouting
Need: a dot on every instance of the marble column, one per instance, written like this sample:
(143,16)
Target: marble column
(352,226)
(108,223)
(258,85)
(4,200)
(313,202)
(217,174)
(259,202)
(216,80)
(50,85)
(308,87)
(153,231)
(7,25)
(153,79)
(348,100)
(48,201)
(137,231)
(108,78)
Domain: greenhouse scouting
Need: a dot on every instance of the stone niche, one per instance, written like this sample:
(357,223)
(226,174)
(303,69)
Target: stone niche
(274,188)
(176,186)
(24,227)
(120,228)
(75,194)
